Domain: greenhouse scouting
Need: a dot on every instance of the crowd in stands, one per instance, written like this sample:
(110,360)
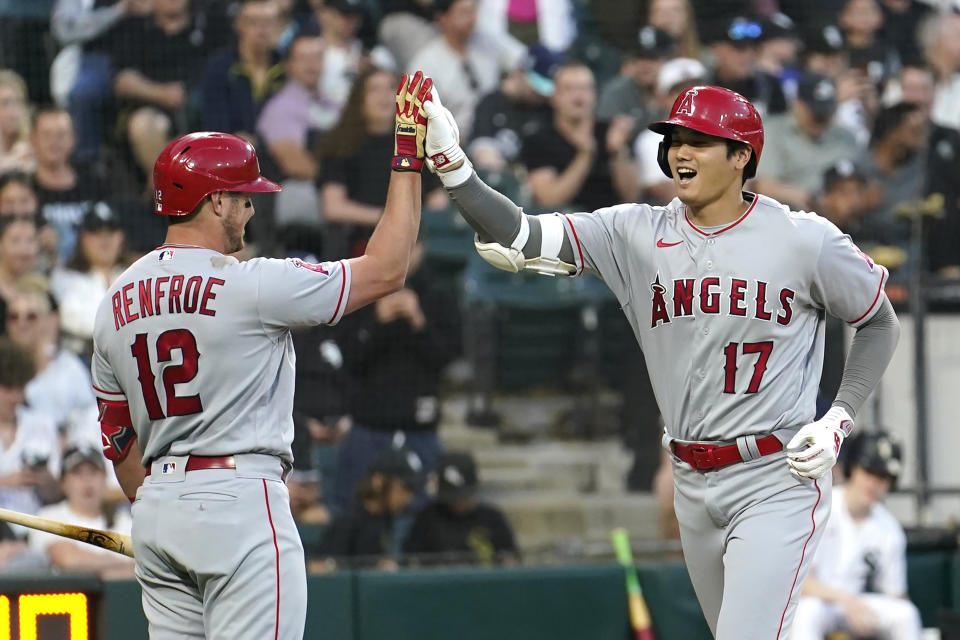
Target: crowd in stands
(862,116)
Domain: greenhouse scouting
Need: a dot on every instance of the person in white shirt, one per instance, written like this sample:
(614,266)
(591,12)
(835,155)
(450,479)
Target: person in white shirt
(84,483)
(80,285)
(858,581)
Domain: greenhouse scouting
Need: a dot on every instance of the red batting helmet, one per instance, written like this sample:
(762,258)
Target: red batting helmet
(198,164)
(714,111)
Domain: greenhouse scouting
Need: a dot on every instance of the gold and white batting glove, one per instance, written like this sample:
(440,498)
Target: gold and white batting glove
(813,451)
(445,157)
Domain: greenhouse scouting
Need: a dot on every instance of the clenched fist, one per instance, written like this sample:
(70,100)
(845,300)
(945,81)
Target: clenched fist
(411,122)
(813,451)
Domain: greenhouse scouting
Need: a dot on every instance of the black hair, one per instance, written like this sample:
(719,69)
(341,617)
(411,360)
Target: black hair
(889,119)
(750,170)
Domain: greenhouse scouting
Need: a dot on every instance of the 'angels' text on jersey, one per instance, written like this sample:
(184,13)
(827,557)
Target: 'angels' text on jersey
(730,296)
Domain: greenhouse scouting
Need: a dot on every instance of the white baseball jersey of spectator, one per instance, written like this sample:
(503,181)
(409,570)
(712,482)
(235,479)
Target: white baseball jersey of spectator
(39,541)
(867,558)
(61,390)
(78,295)
(35,440)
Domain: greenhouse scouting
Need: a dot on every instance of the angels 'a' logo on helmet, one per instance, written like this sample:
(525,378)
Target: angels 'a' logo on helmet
(686,107)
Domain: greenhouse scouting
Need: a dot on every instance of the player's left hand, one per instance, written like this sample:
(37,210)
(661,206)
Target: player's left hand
(813,451)
(443,136)
(411,122)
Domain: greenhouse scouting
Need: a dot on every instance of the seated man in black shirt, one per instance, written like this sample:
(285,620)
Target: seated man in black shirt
(158,60)
(575,160)
(457,528)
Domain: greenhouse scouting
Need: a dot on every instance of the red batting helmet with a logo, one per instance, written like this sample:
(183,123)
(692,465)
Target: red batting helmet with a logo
(198,164)
(714,111)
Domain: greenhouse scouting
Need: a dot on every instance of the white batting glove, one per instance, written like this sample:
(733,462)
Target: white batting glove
(813,451)
(442,145)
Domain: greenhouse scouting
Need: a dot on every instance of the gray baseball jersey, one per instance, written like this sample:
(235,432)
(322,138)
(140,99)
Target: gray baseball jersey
(730,319)
(198,344)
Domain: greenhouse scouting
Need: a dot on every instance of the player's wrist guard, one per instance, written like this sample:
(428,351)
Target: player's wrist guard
(411,123)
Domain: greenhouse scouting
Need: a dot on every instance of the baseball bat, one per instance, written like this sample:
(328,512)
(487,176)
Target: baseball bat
(636,605)
(116,542)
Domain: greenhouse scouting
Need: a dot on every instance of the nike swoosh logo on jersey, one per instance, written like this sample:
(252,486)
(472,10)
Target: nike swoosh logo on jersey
(663,245)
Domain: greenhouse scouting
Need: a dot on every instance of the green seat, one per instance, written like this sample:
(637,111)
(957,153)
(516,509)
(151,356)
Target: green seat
(544,603)
(930,583)
(672,602)
(330,606)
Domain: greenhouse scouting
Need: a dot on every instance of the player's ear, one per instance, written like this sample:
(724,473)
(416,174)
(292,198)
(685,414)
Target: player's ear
(219,202)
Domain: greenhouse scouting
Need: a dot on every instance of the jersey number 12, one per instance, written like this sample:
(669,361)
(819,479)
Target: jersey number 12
(186,371)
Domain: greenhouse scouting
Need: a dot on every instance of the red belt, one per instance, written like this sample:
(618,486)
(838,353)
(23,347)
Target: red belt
(196,463)
(702,456)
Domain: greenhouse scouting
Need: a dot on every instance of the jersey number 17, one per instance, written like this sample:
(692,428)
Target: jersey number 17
(167,342)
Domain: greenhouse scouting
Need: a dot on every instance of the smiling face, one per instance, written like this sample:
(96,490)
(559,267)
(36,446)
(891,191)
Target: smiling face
(702,168)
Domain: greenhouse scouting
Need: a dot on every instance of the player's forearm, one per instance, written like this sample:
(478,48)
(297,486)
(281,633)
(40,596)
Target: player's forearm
(561,189)
(130,471)
(870,353)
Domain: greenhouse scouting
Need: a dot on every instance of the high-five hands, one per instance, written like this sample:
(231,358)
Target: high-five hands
(411,123)
(443,137)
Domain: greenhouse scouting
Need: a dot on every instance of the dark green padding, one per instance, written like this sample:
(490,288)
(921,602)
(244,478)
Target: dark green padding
(565,603)
(929,583)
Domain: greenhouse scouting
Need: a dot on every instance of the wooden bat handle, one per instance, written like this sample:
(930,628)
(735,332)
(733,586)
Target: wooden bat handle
(116,542)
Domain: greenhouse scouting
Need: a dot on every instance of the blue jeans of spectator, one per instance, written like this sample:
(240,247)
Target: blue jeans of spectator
(90,92)
(358,449)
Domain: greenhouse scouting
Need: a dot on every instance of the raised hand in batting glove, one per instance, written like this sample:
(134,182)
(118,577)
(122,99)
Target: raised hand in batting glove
(443,138)
(813,451)
(411,122)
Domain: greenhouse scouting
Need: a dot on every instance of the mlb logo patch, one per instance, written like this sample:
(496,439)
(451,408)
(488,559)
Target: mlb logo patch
(166,254)
(168,467)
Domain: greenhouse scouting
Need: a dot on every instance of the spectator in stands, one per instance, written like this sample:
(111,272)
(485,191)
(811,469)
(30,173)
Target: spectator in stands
(518,108)
(550,23)
(862,24)
(901,19)
(238,81)
(83,480)
(16,154)
(352,195)
(344,55)
(858,580)
(457,528)
(18,253)
(675,77)
(290,127)
(82,282)
(81,73)
(940,38)
(65,190)
(631,92)
(676,17)
(465,62)
(29,450)
(291,21)
(158,62)
(895,163)
(802,144)
(577,161)
(824,51)
(17,197)
(778,50)
(61,388)
(842,198)
(395,352)
(405,25)
(365,535)
(735,53)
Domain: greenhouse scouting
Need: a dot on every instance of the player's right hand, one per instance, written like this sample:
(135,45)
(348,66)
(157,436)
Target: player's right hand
(443,137)
(411,122)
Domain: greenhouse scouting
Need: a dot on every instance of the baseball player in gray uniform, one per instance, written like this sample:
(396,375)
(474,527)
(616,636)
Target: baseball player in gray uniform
(726,292)
(194,368)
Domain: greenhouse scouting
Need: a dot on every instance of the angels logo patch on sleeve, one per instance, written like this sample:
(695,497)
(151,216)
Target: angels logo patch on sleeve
(312,266)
